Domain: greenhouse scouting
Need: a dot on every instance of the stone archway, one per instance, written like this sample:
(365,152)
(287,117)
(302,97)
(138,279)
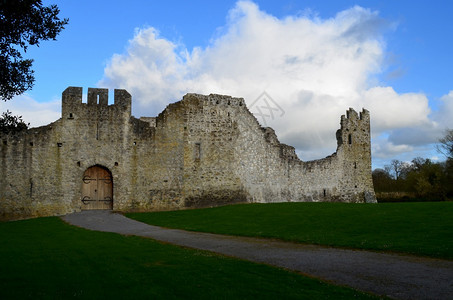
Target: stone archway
(97,188)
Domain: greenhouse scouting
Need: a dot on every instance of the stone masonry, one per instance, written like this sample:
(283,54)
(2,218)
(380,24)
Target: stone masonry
(199,152)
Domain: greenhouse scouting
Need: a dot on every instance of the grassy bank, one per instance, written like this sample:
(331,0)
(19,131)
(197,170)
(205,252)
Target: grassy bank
(46,258)
(417,228)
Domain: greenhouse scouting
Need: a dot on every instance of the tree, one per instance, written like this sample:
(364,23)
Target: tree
(11,124)
(446,144)
(23,23)
(382,180)
(397,168)
(426,179)
(418,163)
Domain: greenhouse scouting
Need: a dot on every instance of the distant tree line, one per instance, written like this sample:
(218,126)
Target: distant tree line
(421,179)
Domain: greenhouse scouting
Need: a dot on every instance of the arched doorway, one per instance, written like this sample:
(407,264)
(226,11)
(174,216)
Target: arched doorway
(97,188)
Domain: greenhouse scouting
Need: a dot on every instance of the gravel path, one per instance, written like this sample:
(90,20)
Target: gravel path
(393,275)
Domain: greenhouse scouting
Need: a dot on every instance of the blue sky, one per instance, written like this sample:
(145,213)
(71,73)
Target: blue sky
(314,58)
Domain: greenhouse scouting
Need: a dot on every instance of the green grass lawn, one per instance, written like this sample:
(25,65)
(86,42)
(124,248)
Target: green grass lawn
(417,228)
(47,258)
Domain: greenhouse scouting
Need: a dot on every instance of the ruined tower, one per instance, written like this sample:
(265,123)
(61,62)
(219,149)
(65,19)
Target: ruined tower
(354,150)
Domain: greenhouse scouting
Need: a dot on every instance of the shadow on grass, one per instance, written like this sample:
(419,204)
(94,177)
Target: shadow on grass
(47,258)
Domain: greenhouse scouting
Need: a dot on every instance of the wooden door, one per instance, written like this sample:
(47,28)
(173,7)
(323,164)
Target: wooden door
(97,189)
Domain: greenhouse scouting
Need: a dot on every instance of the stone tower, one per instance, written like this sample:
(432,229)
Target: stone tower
(354,151)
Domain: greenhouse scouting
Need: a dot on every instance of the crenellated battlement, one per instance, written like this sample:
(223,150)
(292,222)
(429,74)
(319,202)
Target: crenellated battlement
(352,118)
(96,97)
(71,96)
(355,128)
(352,115)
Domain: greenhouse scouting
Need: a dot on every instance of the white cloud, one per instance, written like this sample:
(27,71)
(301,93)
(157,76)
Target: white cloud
(392,110)
(388,149)
(151,70)
(33,112)
(315,69)
(444,115)
(414,128)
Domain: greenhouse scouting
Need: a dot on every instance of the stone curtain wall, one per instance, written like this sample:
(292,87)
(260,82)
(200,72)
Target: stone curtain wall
(201,151)
(269,171)
(210,135)
(230,158)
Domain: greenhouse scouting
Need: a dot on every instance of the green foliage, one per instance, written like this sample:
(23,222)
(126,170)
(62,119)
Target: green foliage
(23,23)
(48,259)
(422,179)
(382,181)
(11,124)
(426,180)
(418,228)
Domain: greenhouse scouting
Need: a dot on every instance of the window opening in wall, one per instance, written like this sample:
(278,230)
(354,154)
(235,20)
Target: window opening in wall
(197,153)
(78,164)
(324,192)
(116,164)
(31,144)
(59,144)
(350,139)
(97,99)
(355,165)
(31,187)
(71,116)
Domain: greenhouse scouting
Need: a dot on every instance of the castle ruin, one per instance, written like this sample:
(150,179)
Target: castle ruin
(199,152)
